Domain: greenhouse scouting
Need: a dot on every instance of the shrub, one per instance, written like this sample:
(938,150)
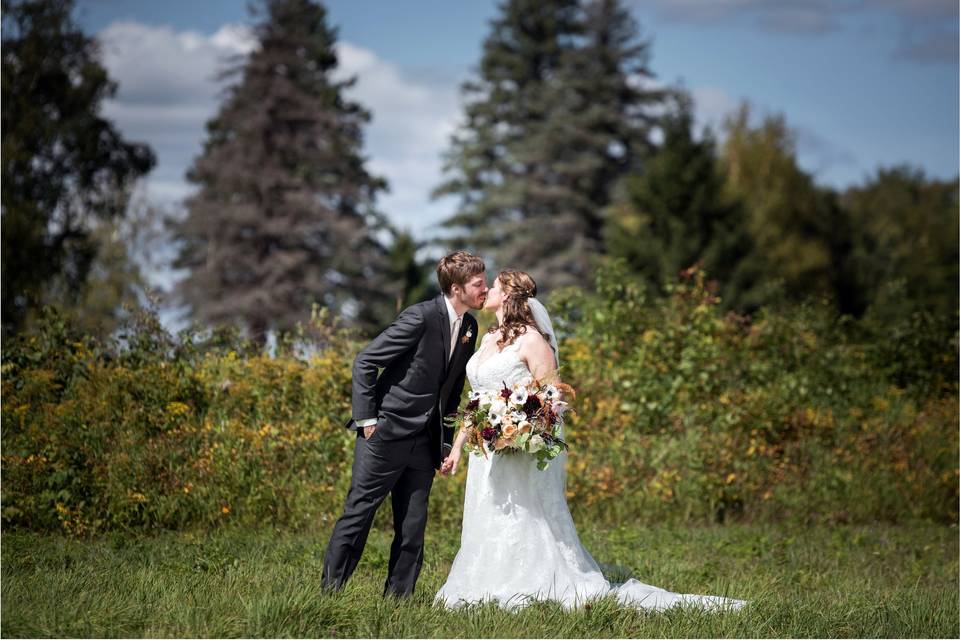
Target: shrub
(683,413)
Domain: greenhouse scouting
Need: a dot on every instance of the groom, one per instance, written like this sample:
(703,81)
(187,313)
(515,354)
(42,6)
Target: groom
(401,439)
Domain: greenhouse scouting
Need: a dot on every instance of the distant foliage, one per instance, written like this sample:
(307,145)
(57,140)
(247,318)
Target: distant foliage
(695,414)
(905,255)
(683,413)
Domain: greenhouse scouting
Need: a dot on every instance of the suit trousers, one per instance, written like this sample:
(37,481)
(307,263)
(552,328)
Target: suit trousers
(403,468)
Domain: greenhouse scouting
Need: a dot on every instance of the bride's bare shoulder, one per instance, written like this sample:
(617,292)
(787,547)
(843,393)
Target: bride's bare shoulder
(533,337)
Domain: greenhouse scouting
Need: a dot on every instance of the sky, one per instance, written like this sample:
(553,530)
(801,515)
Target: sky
(864,84)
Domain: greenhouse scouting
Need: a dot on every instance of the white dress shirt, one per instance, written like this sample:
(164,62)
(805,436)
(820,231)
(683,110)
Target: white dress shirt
(455,322)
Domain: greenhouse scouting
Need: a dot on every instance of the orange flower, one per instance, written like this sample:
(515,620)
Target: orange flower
(566,391)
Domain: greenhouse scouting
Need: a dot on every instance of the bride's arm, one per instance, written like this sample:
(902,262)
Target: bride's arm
(538,356)
(450,463)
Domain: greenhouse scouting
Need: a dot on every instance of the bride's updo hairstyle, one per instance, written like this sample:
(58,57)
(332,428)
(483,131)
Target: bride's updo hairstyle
(517,288)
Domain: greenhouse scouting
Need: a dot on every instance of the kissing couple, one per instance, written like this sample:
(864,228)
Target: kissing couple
(518,540)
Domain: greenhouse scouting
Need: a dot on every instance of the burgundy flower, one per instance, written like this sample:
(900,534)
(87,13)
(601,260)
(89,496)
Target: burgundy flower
(489,433)
(532,405)
(473,404)
(506,392)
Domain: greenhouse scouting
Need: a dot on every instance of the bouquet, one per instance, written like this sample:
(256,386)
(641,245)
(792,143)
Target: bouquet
(525,418)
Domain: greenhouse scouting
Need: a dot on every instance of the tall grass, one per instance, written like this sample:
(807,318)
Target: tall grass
(846,581)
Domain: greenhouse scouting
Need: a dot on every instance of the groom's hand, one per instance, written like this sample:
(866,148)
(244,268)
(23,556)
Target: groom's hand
(368,431)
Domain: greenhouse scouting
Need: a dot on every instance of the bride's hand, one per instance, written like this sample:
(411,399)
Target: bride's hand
(450,463)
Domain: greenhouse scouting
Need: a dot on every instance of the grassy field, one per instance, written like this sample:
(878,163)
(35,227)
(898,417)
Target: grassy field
(878,581)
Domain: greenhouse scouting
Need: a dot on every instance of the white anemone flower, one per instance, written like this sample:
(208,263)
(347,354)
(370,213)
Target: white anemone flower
(517,417)
(519,396)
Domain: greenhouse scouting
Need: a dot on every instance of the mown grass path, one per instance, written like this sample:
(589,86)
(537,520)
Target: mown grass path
(863,581)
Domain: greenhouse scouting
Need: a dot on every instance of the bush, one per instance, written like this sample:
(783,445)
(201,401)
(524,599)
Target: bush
(683,414)
(686,413)
(158,433)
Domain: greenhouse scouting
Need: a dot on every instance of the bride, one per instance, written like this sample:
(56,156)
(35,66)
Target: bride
(519,543)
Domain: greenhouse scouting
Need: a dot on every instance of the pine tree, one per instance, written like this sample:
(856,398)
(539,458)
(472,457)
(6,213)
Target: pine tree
(556,116)
(675,213)
(284,216)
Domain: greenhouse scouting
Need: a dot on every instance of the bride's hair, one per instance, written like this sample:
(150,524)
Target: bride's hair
(517,288)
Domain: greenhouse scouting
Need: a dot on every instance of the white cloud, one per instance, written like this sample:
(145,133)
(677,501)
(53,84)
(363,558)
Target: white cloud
(413,118)
(712,105)
(156,65)
(167,90)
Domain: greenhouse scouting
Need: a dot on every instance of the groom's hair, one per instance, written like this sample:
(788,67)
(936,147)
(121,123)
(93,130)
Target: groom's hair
(458,268)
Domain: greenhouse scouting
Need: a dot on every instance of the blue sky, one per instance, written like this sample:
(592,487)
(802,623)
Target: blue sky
(864,83)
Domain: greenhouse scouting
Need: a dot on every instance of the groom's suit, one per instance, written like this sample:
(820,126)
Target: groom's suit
(421,382)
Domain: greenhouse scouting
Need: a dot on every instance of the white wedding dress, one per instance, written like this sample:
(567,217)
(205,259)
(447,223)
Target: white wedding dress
(519,543)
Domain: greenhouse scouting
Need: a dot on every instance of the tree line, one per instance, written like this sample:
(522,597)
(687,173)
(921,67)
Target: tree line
(570,154)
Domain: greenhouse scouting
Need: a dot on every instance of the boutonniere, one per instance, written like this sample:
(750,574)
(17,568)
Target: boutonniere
(466,337)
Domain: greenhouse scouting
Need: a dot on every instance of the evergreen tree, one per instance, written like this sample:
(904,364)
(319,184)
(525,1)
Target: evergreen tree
(284,216)
(555,117)
(66,169)
(675,213)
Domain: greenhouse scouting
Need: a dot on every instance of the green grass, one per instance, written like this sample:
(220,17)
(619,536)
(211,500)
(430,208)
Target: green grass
(878,581)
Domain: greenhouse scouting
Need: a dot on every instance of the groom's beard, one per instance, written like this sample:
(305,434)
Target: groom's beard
(475,304)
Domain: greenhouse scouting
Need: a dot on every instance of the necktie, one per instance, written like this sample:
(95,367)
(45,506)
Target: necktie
(453,337)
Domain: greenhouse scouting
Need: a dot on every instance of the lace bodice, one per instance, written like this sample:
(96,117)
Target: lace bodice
(488,369)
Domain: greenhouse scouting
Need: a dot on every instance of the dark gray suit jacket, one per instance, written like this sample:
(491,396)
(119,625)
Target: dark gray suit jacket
(417,387)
